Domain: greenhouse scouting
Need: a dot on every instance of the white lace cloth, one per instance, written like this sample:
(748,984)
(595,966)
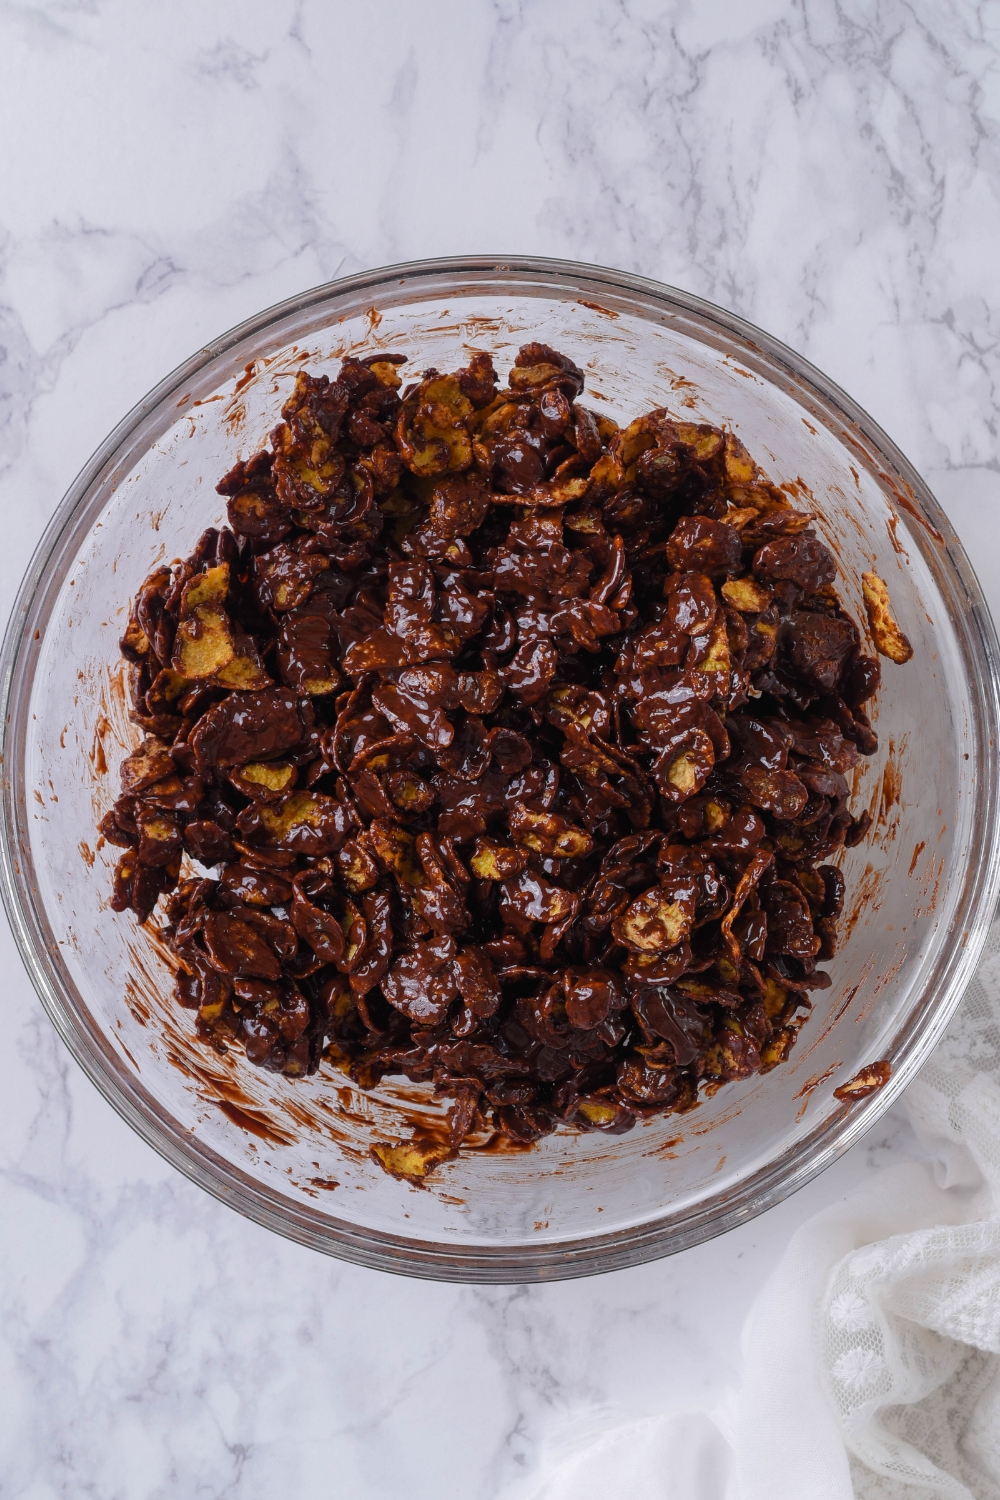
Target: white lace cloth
(872,1356)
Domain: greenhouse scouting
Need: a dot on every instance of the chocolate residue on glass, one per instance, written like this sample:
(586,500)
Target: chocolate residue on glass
(814,1082)
(596,307)
(250,1120)
(496,746)
(918,849)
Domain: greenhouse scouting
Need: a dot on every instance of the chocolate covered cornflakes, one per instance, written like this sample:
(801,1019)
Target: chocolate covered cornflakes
(498,746)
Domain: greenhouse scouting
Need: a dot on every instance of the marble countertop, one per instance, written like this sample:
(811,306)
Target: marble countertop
(827,169)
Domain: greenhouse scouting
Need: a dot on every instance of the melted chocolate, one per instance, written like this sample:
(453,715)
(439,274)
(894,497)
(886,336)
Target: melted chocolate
(510,745)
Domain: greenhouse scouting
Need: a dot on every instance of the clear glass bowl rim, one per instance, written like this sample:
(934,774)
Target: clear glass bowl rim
(779,1178)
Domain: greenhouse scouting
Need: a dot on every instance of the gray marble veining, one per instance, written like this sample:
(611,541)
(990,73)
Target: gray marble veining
(828,170)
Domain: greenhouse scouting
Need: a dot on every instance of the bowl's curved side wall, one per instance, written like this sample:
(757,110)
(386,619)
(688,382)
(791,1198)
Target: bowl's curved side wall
(703,1185)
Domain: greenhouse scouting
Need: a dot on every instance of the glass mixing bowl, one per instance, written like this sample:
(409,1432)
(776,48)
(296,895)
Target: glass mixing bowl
(293,1154)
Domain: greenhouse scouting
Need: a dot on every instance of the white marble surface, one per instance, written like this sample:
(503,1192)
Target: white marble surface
(828,169)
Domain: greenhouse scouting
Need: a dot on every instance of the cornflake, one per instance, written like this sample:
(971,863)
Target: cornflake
(499,747)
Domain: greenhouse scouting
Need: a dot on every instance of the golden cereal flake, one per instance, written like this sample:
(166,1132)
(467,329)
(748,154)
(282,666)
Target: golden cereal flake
(889,639)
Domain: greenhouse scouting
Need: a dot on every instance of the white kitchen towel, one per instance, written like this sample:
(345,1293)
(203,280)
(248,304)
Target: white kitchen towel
(872,1356)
